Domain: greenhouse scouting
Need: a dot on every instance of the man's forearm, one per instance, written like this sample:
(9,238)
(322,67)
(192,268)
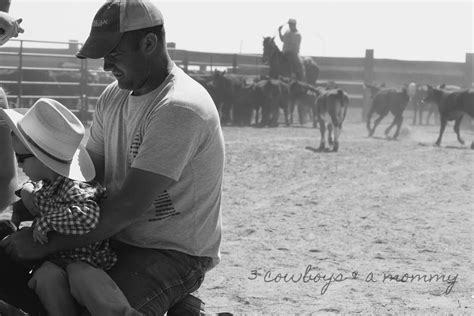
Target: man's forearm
(4,5)
(8,181)
(116,214)
(138,192)
(7,187)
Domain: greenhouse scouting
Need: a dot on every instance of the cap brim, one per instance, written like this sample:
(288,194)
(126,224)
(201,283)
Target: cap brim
(81,167)
(99,45)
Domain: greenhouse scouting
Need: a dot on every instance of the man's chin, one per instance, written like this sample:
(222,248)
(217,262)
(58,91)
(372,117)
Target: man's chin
(123,85)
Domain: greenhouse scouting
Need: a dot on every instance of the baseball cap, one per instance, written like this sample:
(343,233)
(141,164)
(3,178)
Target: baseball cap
(113,19)
(291,21)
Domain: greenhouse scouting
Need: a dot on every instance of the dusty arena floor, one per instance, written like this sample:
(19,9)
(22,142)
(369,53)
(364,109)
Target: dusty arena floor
(381,227)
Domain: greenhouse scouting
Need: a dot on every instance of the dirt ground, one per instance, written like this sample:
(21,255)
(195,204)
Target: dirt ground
(381,227)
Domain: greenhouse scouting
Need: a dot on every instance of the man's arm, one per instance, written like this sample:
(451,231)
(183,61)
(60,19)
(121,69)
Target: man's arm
(7,162)
(279,32)
(139,191)
(5,5)
(9,27)
(99,165)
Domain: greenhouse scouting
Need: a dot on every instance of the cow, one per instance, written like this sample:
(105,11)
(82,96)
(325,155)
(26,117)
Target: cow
(417,96)
(243,106)
(304,96)
(225,91)
(331,109)
(433,108)
(388,100)
(451,105)
(276,96)
(373,89)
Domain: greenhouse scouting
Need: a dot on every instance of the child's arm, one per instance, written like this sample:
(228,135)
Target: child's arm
(79,216)
(28,197)
(76,219)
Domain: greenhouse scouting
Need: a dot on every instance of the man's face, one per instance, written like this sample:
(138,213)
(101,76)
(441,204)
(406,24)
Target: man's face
(128,65)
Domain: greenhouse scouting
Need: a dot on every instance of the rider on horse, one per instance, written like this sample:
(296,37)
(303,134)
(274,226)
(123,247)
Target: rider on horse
(291,48)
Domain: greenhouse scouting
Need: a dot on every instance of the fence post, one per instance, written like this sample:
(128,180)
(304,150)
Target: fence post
(469,70)
(368,78)
(185,61)
(234,64)
(369,66)
(20,76)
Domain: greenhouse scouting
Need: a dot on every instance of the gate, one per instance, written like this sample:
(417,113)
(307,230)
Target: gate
(28,73)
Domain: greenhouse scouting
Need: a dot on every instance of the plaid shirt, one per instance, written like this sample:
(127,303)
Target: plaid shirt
(70,207)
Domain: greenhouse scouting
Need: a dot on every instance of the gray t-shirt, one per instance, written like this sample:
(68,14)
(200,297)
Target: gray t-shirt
(174,131)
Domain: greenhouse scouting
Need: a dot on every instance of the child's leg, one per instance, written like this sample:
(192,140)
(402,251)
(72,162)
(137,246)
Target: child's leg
(51,285)
(94,289)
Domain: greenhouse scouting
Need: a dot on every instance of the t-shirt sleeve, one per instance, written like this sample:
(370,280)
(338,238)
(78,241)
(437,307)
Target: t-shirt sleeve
(172,136)
(95,143)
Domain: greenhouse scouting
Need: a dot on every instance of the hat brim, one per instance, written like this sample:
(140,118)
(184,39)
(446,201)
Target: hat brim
(99,45)
(81,168)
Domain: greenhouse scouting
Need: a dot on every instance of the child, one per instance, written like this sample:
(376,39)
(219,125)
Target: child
(47,145)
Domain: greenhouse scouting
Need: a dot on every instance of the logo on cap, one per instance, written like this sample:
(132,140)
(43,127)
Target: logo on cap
(99,23)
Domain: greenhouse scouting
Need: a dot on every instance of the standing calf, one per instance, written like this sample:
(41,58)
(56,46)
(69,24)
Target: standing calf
(331,109)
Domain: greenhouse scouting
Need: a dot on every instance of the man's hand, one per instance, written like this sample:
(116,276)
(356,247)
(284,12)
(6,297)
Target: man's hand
(280,27)
(9,27)
(20,213)
(39,237)
(21,246)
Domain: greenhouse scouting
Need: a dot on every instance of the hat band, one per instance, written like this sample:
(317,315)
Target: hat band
(28,138)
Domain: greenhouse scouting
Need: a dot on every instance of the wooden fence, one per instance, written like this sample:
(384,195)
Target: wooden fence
(348,73)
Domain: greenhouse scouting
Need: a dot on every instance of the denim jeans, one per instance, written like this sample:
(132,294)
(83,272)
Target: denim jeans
(153,280)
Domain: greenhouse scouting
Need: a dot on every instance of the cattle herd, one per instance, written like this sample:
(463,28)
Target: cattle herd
(446,102)
(258,103)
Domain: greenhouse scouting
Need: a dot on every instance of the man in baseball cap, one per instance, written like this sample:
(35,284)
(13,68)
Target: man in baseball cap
(157,146)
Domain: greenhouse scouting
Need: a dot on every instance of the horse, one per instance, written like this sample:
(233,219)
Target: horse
(281,66)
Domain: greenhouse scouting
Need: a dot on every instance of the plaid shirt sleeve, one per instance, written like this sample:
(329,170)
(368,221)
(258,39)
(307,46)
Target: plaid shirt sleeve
(74,211)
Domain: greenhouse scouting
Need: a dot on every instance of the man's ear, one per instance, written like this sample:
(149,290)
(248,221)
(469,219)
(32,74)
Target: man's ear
(149,43)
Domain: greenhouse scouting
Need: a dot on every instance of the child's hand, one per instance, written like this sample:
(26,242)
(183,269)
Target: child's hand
(27,197)
(39,237)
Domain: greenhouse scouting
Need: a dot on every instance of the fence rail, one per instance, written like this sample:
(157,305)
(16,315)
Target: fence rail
(19,64)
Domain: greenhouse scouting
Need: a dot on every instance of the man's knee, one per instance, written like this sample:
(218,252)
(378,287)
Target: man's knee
(79,274)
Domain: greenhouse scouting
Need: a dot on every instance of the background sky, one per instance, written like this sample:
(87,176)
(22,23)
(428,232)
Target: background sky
(396,29)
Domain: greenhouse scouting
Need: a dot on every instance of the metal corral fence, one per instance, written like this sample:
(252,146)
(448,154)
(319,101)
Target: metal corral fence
(29,70)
